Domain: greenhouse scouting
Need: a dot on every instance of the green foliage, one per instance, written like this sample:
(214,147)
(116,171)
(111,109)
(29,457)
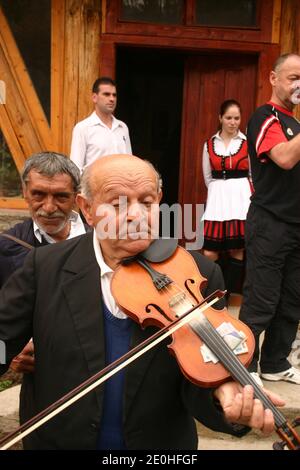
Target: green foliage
(4,384)
(10,184)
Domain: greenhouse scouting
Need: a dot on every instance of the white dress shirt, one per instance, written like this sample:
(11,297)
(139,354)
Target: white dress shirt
(93,139)
(105,278)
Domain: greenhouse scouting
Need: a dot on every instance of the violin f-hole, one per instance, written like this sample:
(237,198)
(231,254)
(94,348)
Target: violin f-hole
(186,284)
(160,310)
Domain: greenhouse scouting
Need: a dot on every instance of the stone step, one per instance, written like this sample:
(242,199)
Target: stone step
(210,440)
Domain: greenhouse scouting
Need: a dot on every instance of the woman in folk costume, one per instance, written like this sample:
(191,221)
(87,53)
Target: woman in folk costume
(226,175)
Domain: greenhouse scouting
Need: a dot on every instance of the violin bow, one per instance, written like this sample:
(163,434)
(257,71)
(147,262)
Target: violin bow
(97,379)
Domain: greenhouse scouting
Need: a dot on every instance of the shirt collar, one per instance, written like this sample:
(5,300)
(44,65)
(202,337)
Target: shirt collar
(77,228)
(104,269)
(283,110)
(239,135)
(96,121)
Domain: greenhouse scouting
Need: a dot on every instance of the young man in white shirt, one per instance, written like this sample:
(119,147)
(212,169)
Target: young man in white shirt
(100,133)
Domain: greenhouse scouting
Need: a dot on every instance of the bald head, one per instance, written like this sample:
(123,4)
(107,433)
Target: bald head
(285,81)
(118,167)
(281,60)
(120,199)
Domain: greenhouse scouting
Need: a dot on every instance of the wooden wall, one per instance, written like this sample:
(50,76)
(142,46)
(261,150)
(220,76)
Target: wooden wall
(76,28)
(290,31)
(75,64)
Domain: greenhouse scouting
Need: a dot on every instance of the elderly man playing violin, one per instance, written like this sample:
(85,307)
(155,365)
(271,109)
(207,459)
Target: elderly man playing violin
(62,297)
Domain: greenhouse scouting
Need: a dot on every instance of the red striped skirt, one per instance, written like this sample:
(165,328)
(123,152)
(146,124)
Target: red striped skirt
(225,235)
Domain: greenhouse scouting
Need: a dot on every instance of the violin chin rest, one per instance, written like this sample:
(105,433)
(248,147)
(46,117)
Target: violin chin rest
(160,250)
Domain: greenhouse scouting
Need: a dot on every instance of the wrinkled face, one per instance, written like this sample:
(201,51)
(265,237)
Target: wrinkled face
(50,200)
(124,210)
(231,120)
(106,99)
(286,83)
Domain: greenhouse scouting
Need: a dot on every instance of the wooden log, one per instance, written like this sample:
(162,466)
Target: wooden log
(25,110)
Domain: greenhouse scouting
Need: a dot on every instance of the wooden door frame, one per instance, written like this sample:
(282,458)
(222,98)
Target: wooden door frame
(262,32)
(266,55)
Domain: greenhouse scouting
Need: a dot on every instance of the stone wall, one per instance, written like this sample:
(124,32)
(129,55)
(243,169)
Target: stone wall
(8,218)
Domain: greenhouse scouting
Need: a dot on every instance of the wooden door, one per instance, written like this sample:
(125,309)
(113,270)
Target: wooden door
(209,80)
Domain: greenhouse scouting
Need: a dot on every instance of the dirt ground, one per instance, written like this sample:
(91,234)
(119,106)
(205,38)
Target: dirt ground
(11,422)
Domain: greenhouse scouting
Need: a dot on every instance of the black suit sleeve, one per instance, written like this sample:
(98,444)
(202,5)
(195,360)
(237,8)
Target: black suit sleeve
(17,299)
(212,272)
(6,268)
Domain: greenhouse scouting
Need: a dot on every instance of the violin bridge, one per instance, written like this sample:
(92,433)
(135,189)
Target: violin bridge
(179,304)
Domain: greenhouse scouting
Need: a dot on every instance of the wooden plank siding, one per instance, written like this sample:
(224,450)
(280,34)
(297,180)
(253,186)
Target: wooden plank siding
(81,64)
(276,21)
(85,35)
(57,69)
(290,32)
(218,78)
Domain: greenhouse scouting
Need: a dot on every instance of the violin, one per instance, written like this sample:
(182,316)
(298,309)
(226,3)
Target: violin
(176,288)
(169,297)
(164,295)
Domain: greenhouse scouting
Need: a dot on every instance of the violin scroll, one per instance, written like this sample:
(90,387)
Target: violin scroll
(290,438)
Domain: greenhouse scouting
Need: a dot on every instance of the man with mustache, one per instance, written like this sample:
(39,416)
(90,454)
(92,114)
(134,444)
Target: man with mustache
(50,185)
(78,328)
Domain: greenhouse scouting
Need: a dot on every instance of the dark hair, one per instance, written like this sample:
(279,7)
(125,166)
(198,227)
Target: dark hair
(281,59)
(51,164)
(102,81)
(227,104)
(224,106)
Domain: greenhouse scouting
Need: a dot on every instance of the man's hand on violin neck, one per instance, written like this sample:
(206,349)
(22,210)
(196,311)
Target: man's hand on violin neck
(240,406)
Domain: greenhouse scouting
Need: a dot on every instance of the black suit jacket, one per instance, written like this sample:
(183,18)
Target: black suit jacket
(12,254)
(56,299)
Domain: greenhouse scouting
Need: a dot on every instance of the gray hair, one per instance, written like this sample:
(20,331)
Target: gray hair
(281,59)
(51,164)
(86,179)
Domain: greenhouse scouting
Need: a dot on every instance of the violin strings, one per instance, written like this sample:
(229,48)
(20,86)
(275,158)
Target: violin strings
(211,338)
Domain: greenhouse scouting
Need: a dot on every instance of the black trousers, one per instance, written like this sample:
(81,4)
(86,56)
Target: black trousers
(271,295)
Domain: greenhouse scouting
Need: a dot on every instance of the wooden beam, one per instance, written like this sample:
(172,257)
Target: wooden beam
(14,113)
(81,64)
(108,59)
(71,71)
(89,54)
(184,44)
(266,59)
(289,26)
(290,36)
(13,203)
(276,22)
(11,138)
(103,20)
(57,69)
(22,103)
